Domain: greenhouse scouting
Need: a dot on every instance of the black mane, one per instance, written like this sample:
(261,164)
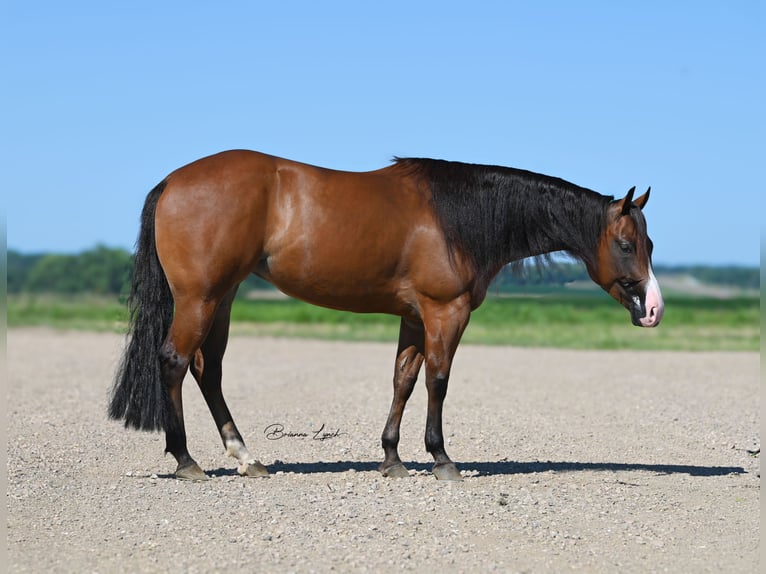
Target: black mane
(498,215)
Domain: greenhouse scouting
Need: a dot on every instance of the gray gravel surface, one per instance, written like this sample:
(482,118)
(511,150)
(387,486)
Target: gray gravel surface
(586,461)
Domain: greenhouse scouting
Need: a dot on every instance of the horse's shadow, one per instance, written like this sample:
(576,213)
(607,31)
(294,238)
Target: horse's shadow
(486,468)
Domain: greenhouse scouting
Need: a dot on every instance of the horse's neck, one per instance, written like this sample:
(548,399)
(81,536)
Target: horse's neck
(563,221)
(498,215)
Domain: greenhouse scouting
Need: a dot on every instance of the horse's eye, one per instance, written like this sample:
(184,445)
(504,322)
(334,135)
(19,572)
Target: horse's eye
(625,247)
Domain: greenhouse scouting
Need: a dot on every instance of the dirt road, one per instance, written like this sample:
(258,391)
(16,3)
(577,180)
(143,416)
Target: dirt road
(588,461)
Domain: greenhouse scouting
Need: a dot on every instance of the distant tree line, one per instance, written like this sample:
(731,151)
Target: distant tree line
(100,270)
(106,271)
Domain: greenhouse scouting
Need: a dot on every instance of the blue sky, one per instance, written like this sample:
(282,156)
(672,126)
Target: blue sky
(103,99)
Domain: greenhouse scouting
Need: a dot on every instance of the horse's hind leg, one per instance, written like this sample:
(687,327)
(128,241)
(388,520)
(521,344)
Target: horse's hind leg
(409,358)
(207,371)
(191,322)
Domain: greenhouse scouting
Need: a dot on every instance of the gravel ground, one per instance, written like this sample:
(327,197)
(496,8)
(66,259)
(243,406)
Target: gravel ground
(589,461)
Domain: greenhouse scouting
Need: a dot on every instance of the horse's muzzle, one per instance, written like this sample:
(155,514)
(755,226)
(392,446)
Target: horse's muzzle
(648,313)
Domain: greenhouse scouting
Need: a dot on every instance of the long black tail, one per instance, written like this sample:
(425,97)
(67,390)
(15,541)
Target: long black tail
(138,395)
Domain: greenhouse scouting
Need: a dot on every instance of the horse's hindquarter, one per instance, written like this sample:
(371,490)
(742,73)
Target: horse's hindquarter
(210,219)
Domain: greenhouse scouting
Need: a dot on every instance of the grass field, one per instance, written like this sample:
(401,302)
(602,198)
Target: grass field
(577,321)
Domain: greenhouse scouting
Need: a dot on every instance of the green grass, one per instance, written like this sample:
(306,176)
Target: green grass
(88,312)
(595,322)
(575,321)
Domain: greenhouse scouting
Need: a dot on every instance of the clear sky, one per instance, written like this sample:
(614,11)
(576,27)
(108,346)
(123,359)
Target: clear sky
(102,99)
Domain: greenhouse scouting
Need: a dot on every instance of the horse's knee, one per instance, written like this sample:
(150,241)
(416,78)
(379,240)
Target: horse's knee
(409,361)
(437,387)
(408,365)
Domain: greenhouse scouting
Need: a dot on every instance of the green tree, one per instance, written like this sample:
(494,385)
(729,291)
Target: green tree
(18,269)
(101,270)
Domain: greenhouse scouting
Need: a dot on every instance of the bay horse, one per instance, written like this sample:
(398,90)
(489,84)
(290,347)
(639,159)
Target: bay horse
(420,239)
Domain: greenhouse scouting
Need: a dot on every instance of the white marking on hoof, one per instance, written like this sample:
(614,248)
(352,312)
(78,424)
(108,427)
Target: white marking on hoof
(236,449)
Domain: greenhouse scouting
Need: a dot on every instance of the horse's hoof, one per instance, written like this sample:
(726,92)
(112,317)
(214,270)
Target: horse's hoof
(447,471)
(254,469)
(395,471)
(191,472)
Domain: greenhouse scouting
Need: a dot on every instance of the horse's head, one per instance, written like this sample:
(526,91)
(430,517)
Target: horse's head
(623,262)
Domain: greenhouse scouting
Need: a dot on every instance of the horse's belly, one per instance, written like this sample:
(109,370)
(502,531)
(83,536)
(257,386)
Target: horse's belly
(339,285)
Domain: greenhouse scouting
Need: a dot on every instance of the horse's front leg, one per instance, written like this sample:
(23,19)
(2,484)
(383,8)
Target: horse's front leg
(409,359)
(444,326)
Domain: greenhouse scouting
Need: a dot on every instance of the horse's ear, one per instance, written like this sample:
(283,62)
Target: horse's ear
(641,201)
(627,201)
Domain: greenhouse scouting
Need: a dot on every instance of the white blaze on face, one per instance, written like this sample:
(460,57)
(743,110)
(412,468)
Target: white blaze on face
(653,303)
